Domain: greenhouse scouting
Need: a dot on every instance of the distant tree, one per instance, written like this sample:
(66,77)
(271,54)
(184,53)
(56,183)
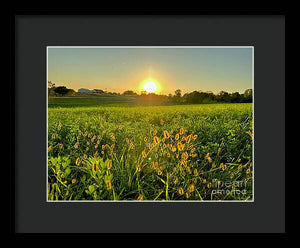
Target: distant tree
(178,93)
(51,85)
(194,97)
(98,91)
(129,93)
(248,95)
(51,88)
(61,90)
(235,97)
(70,92)
(223,96)
(177,96)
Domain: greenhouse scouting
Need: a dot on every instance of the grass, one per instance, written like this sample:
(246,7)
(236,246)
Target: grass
(121,152)
(54,102)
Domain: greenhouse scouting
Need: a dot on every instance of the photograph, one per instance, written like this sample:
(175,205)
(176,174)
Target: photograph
(150,123)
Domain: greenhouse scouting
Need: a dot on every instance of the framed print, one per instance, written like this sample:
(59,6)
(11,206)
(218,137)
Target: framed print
(130,138)
(123,118)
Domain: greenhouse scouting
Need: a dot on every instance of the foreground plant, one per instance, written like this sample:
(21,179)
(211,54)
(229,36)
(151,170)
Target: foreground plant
(159,153)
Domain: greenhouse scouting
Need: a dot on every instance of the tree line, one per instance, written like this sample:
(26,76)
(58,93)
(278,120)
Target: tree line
(198,96)
(210,97)
(59,90)
(190,97)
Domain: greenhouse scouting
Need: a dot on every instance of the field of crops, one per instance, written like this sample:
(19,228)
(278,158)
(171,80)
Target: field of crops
(184,152)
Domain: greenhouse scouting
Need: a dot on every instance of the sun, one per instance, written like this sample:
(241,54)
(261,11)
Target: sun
(150,87)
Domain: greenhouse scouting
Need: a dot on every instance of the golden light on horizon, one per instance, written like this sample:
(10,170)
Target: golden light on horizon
(150,85)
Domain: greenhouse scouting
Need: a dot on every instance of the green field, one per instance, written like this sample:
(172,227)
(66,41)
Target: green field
(118,151)
(90,101)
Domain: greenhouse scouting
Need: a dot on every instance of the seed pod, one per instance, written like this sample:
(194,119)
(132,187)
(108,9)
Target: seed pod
(155,140)
(180,191)
(109,164)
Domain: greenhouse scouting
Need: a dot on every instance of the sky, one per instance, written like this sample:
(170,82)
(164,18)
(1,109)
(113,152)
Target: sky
(120,69)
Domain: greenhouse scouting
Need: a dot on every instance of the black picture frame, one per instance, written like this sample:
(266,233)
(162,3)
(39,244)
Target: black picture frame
(32,33)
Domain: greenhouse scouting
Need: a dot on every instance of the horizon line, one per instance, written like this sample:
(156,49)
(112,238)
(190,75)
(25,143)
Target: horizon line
(137,92)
